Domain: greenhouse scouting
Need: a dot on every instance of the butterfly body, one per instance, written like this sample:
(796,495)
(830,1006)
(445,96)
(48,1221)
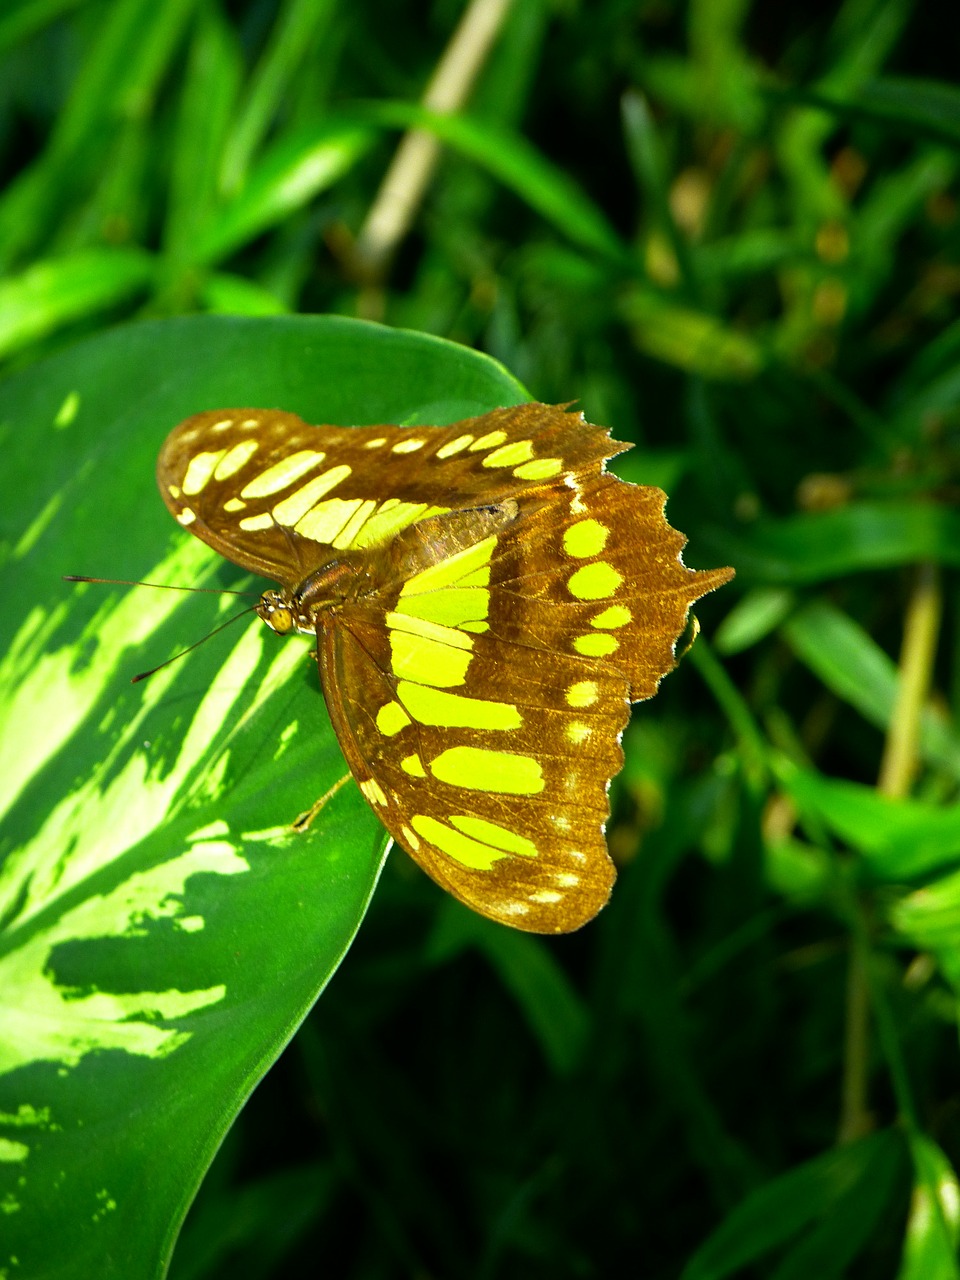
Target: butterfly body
(487,602)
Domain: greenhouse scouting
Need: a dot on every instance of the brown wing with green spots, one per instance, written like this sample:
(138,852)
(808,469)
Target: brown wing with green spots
(485,717)
(278,496)
(515,599)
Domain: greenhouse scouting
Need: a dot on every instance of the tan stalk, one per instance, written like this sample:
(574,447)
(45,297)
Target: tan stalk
(405,182)
(897,771)
(900,754)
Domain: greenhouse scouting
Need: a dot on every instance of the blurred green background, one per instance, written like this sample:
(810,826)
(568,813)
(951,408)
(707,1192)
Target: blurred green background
(730,231)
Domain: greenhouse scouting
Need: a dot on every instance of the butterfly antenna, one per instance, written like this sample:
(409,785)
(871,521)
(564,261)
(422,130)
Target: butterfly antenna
(203,639)
(159,586)
(167,586)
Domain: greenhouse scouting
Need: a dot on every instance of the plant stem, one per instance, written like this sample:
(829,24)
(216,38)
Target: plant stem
(403,186)
(897,770)
(899,764)
(855,1118)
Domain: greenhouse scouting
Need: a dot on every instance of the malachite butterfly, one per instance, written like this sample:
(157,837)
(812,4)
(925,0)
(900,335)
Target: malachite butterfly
(487,601)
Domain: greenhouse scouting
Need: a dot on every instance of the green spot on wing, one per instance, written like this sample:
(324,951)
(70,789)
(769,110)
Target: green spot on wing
(478,769)
(594,581)
(585,538)
(451,570)
(469,853)
(453,710)
(450,606)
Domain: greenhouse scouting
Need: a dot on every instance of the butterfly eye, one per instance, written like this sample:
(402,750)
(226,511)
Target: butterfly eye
(275,613)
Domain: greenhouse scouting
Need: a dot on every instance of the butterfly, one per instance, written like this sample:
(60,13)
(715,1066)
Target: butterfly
(487,602)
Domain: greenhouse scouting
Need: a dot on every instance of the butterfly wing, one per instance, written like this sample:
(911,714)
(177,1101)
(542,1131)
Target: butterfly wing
(488,693)
(280,497)
(524,598)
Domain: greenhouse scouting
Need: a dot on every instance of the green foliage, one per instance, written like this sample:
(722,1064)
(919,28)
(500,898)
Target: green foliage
(732,233)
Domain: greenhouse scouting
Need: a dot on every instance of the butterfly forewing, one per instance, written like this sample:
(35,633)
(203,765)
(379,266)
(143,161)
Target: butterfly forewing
(274,494)
(516,599)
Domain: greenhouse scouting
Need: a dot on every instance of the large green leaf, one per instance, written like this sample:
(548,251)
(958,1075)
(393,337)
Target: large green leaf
(163,931)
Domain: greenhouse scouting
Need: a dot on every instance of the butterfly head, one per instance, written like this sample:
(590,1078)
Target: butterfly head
(278,610)
(284,610)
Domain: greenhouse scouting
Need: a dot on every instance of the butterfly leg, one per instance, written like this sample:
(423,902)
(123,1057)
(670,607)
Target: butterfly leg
(302,822)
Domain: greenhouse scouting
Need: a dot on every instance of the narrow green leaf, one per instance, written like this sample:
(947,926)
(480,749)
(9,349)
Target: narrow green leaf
(27,206)
(659,467)
(259,1221)
(855,49)
(287,177)
(115,87)
(527,968)
(726,76)
(898,839)
(921,107)
(935,360)
(774,1214)
(51,294)
(930,107)
(933,1229)
(888,212)
(829,544)
(828,1249)
(802,872)
(930,386)
(929,918)
(298,30)
(207,107)
(645,152)
(854,667)
(113,206)
(237,296)
(752,251)
(689,339)
(123,68)
(24,17)
(752,618)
